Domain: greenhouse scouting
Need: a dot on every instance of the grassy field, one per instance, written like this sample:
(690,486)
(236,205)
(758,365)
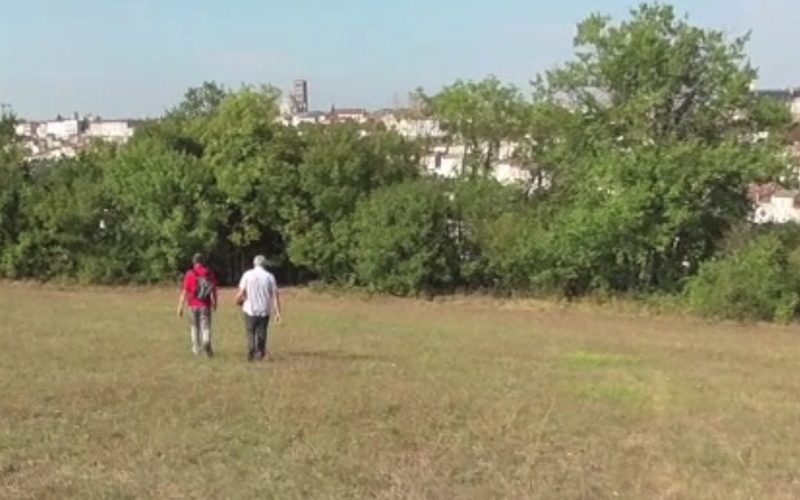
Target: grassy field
(387,398)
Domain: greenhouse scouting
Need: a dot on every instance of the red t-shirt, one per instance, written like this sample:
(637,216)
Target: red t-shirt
(190,285)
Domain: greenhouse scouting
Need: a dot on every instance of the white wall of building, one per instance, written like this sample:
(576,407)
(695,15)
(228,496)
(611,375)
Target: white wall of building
(781,208)
(349,116)
(116,131)
(58,153)
(449,163)
(445,165)
(507,172)
(64,138)
(308,118)
(795,108)
(25,129)
(413,129)
(61,129)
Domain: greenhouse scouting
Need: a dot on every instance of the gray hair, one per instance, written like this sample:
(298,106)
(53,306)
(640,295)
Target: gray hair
(260,261)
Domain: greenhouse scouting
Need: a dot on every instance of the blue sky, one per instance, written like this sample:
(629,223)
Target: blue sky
(131,58)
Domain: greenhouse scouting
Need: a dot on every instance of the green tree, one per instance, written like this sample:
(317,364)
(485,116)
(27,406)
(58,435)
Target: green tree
(200,102)
(164,207)
(14,177)
(757,279)
(254,160)
(62,234)
(403,239)
(478,206)
(656,147)
(341,166)
(7,122)
(655,77)
(480,115)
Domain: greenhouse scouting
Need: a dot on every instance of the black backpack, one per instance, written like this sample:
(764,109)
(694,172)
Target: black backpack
(203,288)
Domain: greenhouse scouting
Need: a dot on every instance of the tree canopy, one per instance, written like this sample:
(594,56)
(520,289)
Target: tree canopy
(641,149)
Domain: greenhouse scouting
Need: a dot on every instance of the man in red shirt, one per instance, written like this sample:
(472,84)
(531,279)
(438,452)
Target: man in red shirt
(200,291)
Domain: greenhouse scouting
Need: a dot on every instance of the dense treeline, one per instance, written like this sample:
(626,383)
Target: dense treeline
(641,151)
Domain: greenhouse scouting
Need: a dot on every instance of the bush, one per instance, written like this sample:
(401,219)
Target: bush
(403,241)
(760,280)
(513,249)
(483,208)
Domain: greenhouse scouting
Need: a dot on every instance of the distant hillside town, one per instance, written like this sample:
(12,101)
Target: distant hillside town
(66,137)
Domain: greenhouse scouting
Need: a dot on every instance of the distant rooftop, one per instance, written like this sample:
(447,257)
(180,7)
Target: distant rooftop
(349,111)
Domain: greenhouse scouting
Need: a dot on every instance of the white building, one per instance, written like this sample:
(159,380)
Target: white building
(64,138)
(448,162)
(312,117)
(59,153)
(444,164)
(25,129)
(357,115)
(411,128)
(511,172)
(774,205)
(60,129)
(119,131)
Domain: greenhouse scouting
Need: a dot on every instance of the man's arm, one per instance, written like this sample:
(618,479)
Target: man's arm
(181,302)
(278,306)
(214,298)
(241,295)
(182,298)
(276,301)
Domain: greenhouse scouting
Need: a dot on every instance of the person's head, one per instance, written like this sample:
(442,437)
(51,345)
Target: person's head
(198,259)
(260,261)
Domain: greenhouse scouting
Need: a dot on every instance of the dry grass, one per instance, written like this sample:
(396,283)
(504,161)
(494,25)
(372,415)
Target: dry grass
(386,398)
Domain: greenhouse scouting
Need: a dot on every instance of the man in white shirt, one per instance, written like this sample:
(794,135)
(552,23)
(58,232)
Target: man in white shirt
(259,298)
